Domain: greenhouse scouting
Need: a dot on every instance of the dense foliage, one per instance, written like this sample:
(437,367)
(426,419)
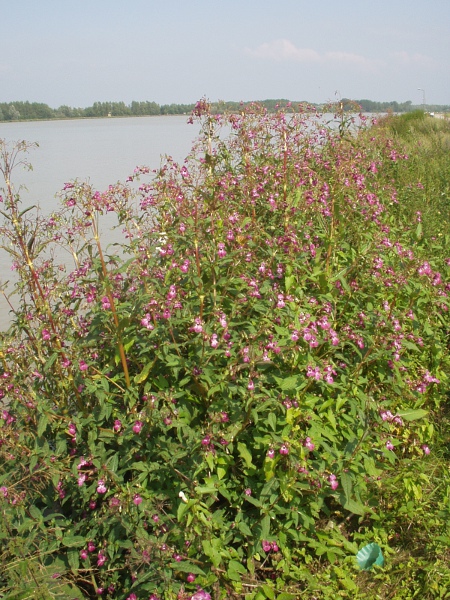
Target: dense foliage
(222,407)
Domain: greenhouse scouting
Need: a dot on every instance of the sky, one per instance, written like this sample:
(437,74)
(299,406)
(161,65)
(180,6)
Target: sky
(75,53)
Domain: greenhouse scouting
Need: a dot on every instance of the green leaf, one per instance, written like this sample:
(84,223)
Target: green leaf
(236,570)
(74,560)
(346,482)
(412,415)
(244,528)
(355,507)
(289,383)
(265,528)
(42,425)
(73,541)
(50,361)
(245,454)
(113,462)
(186,567)
(289,281)
(142,376)
(35,512)
(272,420)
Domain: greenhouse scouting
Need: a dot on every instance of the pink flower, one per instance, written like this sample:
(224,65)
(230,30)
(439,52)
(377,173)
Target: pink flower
(308,444)
(200,595)
(284,449)
(101,487)
(101,559)
(197,327)
(137,499)
(83,366)
(91,547)
(147,322)
(46,334)
(425,449)
(389,445)
(137,426)
(334,484)
(221,252)
(190,578)
(83,554)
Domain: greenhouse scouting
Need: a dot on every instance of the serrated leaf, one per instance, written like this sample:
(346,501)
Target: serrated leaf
(289,383)
(142,376)
(265,528)
(346,482)
(268,591)
(235,570)
(35,512)
(74,560)
(244,528)
(355,507)
(186,567)
(245,454)
(412,414)
(42,425)
(50,361)
(73,541)
(272,420)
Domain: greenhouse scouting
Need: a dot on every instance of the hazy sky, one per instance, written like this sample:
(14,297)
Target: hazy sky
(80,51)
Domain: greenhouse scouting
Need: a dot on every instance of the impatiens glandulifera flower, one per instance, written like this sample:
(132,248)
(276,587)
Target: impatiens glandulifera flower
(334,484)
(101,487)
(137,426)
(308,444)
(200,595)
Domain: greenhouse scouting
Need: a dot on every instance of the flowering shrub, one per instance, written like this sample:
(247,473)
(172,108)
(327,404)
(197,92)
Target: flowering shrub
(180,417)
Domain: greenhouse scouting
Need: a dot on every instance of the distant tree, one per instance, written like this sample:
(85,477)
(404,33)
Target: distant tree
(14,113)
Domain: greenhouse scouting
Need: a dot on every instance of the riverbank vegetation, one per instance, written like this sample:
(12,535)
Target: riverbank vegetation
(30,111)
(251,389)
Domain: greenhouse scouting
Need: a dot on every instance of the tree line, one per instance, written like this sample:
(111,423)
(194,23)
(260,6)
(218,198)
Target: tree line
(23,111)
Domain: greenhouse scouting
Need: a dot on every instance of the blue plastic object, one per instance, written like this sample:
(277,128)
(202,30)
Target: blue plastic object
(370,555)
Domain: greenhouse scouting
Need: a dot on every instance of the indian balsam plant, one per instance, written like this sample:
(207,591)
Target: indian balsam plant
(207,411)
